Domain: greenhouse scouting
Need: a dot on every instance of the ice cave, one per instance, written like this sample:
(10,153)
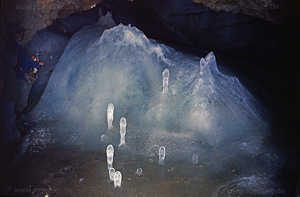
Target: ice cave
(129,105)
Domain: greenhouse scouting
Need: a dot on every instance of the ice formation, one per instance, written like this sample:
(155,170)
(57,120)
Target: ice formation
(195,159)
(165,74)
(161,155)
(122,66)
(110,156)
(117,179)
(110,115)
(122,131)
(204,111)
(111,173)
(139,172)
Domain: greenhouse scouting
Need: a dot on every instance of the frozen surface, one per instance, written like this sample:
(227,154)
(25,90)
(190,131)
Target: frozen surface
(201,110)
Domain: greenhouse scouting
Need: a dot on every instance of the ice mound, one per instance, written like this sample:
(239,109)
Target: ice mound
(169,99)
(120,65)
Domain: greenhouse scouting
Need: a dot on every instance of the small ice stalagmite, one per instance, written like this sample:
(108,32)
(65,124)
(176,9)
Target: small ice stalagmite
(161,155)
(110,155)
(111,173)
(195,159)
(122,130)
(139,172)
(110,115)
(117,179)
(165,75)
(103,138)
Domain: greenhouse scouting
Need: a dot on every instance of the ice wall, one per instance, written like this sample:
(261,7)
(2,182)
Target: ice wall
(123,67)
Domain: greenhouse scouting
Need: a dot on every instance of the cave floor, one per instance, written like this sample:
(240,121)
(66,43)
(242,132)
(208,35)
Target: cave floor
(45,168)
(67,171)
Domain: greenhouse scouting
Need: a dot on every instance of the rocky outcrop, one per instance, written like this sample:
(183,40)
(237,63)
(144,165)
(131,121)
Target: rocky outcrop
(35,15)
(237,35)
(270,10)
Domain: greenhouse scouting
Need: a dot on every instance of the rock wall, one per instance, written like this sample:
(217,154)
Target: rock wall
(270,10)
(35,15)
(237,35)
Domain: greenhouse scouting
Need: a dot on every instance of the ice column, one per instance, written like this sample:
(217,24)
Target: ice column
(111,174)
(110,155)
(110,115)
(165,75)
(195,159)
(161,155)
(122,130)
(117,179)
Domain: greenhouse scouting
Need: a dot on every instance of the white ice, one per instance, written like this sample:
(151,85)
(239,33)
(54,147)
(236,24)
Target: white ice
(117,179)
(165,81)
(122,130)
(110,115)
(161,155)
(110,156)
(111,173)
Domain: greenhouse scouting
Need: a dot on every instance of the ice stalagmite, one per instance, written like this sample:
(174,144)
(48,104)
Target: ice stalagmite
(161,155)
(195,159)
(110,115)
(122,130)
(110,155)
(165,74)
(111,173)
(139,172)
(117,179)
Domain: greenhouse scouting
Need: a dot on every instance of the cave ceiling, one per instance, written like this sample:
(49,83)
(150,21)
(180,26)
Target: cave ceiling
(35,15)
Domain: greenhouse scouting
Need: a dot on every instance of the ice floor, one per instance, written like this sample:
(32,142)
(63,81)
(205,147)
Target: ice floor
(170,99)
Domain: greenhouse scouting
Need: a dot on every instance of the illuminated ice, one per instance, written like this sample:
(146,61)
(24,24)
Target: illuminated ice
(161,155)
(110,115)
(165,80)
(111,173)
(110,156)
(124,67)
(205,111)
(122,130)
(117,179)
